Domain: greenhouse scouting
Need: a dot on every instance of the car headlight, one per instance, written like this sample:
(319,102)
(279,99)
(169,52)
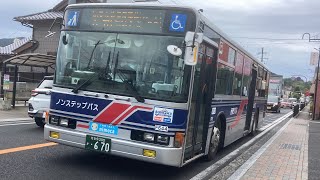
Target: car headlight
(275,104)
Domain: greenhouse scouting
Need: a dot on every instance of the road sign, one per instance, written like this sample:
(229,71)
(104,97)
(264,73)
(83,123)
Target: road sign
(6,77)
(6,82)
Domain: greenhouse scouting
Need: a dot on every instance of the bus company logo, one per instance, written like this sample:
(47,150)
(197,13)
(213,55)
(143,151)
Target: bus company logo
(163,115)
(94,126)
(178,22)
(73,18)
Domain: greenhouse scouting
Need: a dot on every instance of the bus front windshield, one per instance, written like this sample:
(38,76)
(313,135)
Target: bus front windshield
(123,64)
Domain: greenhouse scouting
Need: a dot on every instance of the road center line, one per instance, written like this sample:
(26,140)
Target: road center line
(24,148)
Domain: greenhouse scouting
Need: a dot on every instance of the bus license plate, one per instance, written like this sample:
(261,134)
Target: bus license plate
(98,144)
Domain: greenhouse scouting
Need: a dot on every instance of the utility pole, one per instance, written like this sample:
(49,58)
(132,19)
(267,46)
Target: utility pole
(317,76)
(316,88)
(262,55)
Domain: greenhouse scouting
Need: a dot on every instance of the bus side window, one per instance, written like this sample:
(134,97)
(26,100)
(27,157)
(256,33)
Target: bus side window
(237,85)
(224,83)
(246,75)
(246,85)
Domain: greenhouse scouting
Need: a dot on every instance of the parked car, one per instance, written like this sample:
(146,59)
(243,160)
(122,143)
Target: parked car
(285,103)
(293,102)
(40,100)
(273,104)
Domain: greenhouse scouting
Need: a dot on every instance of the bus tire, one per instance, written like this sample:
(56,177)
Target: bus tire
(39,121)
(215,141)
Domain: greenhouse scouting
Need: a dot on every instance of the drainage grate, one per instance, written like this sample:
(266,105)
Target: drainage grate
(290,146)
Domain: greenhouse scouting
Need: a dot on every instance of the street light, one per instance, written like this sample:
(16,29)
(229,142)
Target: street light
(316,88)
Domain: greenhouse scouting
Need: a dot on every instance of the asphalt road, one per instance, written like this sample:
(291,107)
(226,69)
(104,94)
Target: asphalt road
(63,162)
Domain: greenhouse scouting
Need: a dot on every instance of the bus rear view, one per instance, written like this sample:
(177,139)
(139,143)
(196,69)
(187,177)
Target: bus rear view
(120,85)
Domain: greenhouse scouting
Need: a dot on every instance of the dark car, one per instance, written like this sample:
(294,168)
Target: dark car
(273,104)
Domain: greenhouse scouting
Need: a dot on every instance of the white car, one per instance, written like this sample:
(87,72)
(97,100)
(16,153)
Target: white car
(293,102)
(40,100)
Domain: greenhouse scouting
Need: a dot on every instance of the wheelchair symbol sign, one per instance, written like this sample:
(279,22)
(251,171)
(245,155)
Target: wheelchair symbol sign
(73,18)
(178,22)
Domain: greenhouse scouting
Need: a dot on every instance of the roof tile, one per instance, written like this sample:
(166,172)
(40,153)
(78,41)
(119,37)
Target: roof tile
(7,50)
(40,16)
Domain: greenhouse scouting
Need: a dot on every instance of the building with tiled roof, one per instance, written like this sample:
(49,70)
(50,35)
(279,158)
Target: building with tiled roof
(38,44)
(9,49)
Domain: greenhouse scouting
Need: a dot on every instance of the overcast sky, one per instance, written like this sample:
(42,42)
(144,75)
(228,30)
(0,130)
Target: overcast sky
(276,25)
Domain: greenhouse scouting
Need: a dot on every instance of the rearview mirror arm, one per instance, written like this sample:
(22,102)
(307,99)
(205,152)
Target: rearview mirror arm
(53,23)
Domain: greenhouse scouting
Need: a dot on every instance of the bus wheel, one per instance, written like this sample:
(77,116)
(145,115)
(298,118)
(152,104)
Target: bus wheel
(214,141)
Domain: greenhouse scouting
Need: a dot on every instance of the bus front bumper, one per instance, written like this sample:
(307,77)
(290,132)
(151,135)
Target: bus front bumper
(124,148)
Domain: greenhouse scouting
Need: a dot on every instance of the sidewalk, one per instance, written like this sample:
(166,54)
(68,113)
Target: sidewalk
(285,156)
(20,112)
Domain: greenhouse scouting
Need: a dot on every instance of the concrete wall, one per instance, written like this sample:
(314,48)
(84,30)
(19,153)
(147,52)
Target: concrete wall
(45,46)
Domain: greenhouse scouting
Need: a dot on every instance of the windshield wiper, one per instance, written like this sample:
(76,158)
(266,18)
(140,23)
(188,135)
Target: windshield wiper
(95,47)
(136,94)
(85,83)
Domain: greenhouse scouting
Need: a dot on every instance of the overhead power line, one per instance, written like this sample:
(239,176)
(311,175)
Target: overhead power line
(270,39)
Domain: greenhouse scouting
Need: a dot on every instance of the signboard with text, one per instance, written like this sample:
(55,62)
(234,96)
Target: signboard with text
(6,82)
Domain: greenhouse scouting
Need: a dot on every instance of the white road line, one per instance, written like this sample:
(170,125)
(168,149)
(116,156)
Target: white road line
(247,165)
(234,153)
(15,119)
(16,124)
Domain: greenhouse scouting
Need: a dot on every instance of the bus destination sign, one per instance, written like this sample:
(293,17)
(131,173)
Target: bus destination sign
(128,19)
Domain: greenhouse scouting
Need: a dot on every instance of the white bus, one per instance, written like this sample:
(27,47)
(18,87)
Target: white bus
(154,83)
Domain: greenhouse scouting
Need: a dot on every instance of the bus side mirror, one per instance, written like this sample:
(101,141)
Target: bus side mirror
(193,40)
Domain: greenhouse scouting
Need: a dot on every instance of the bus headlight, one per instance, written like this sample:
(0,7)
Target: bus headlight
(161,139)
(54,120)
(64,122)
(148,137)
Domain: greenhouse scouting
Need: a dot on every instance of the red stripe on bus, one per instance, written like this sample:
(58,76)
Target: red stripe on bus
(83,126)
(111,113)
(132,109)
(240,111)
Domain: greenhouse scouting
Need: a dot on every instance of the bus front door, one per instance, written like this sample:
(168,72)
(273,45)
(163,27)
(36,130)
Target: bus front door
(202,94)
(251,97)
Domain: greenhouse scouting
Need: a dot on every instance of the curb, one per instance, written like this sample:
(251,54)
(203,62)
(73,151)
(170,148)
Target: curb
(216,167)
